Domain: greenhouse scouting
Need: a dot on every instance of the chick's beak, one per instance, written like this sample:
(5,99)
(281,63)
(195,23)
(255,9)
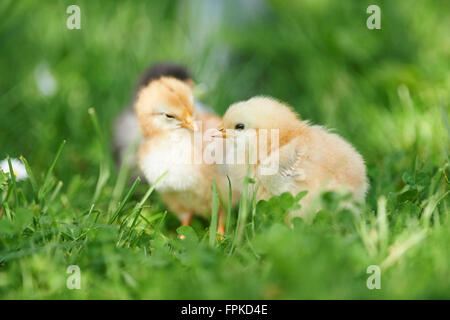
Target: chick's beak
(221,133)
(188,124)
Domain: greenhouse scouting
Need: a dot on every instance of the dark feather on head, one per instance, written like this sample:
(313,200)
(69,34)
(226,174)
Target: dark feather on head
(164,70)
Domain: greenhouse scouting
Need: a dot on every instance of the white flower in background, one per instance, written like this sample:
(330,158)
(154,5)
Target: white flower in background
(45,81)
(19,169)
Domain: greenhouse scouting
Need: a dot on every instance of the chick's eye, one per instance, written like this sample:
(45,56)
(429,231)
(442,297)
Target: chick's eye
(168,116)
(239,126)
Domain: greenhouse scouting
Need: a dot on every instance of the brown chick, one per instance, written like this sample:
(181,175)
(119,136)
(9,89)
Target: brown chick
(299,156)
(165,112)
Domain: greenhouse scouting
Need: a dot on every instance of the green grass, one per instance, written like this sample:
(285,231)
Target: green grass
(386,91)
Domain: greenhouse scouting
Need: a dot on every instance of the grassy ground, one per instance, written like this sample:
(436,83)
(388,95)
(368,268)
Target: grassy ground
(386,91)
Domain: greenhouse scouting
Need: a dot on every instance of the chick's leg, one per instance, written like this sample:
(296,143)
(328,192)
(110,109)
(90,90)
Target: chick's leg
(186,219)
(221,224)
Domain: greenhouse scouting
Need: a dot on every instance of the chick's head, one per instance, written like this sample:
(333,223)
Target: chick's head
(259,113)
(165,104)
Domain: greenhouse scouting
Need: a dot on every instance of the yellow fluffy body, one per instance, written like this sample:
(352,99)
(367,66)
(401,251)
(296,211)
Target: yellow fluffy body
(165,112)
(310,157)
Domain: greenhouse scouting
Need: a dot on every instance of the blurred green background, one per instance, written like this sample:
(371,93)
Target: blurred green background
(386,91)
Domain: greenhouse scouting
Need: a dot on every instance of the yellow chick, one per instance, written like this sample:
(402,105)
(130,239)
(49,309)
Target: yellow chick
(165,112)
(298,156)
(126,131)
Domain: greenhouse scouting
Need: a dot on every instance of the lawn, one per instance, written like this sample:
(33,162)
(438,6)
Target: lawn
(386,91)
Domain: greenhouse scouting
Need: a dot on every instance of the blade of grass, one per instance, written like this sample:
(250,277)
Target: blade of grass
(48,176)
(32,179)
(230,203)
(152,218)
(365,237)
(105,162)
(397,250)
(56,191)
(50,186)
(8,193)
(253,206)
(150,191)
(382,224)
(214,215)
(138,208)
(125,200)
(22,197)
(13,182)
(160,224)
(243,212)
(103,177)
(93,115)
(98,131)
(122,177)
(431,206)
